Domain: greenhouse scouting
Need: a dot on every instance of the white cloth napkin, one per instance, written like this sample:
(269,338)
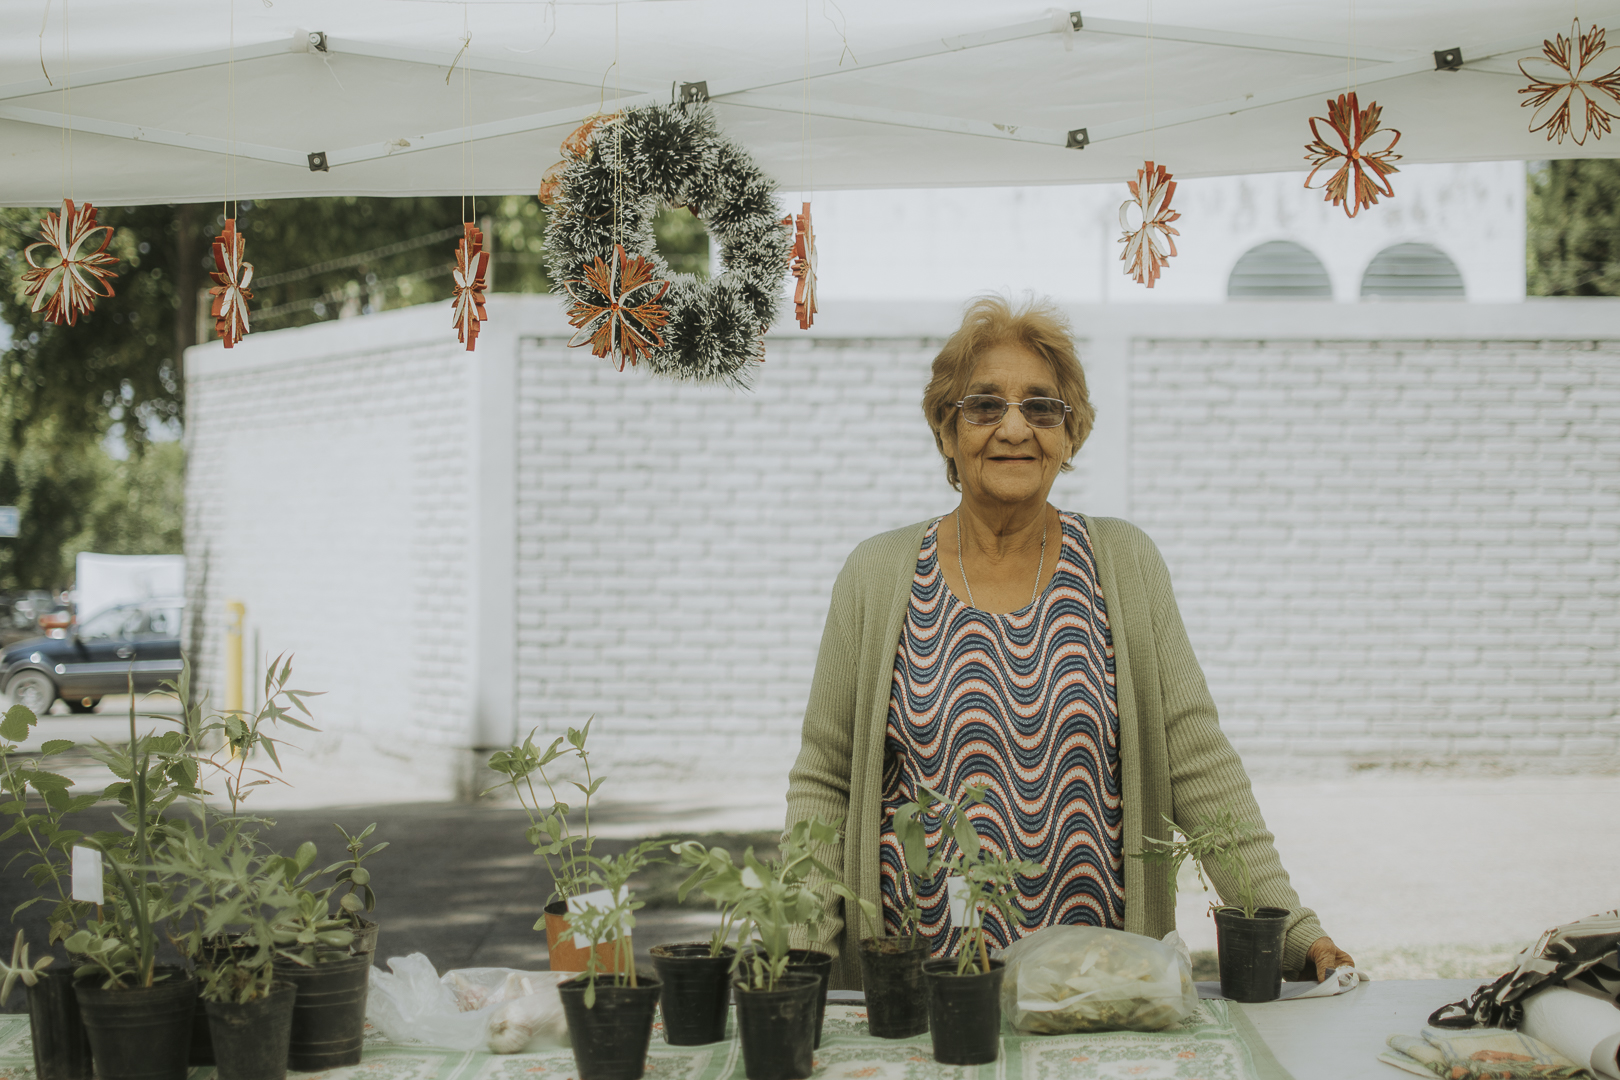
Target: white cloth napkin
(1339,981)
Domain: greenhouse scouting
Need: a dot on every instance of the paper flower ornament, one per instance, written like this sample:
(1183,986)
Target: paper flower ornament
(1148,246)
(804,268)
(469,276)
(1357,143)
(82,271)
(616,308)
(230,290)
(1573,85)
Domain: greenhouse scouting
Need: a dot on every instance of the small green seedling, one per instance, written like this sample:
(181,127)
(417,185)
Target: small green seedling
(1212,844)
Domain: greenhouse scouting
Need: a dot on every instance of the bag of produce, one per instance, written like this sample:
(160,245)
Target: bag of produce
(1065,979)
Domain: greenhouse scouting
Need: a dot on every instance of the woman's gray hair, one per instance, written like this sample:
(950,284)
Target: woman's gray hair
(990,321)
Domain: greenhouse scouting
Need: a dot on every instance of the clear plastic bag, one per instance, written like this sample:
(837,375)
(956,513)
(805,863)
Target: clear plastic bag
(498,1009)
(1083,978)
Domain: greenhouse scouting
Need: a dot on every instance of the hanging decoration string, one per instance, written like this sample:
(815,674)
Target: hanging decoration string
(1148,244)
(1358,152)
(804,234)
(470,275)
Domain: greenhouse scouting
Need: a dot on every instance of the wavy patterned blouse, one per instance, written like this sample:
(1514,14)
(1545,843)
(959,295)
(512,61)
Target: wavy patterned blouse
(1024,703)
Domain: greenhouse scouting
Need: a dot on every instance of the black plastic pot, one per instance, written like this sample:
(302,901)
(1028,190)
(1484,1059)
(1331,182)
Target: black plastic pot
(250,1040)
(610,1038)
(817,963)
(61,1047)
(213,951)
(696,997)
(777,1028)
(142,1033)
(329,1015)
(896,997)
(964,1012)
(1251,953)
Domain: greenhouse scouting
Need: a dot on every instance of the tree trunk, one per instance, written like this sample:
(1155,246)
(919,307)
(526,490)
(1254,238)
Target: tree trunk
(188,279)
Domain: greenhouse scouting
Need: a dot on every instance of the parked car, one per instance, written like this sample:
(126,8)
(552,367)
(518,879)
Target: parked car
(21,612)
(97,657)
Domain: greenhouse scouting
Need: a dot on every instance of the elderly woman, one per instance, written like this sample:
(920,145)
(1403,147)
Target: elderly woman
(1033,650)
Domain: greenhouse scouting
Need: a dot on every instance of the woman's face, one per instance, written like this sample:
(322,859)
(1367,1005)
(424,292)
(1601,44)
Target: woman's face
(1009,462)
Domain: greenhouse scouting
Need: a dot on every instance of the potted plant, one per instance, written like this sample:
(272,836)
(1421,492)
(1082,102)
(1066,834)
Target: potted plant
(1248,938)
(777,1010)
(610,1007)
(564,852)
(61,1047)
(696,976)
(964,991)
(138,1016)
(313,952)
(359,896)
(237,894)
(891,967)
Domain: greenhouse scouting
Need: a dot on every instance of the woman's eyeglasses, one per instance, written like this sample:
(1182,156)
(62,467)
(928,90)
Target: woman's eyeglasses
(985,409)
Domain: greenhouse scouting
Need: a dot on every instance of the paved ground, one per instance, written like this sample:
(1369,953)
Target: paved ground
(1420,874)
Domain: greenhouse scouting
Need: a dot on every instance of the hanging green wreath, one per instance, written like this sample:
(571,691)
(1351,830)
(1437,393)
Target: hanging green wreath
(628,304)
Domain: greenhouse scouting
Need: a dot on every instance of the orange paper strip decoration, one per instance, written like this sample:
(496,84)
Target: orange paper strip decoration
(230,291)
(469,276)
(1148,246)
(804,268)
(70,286)
(616,308)
(1573,85)
(1363,174)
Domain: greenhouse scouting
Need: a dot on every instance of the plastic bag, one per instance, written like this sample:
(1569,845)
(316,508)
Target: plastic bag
(499,1009)
(1083,978)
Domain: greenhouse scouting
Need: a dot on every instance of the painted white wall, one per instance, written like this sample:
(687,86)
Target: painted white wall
(951,243)
(1393,528)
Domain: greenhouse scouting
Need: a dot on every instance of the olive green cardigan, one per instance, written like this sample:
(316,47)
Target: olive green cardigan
(1173,757)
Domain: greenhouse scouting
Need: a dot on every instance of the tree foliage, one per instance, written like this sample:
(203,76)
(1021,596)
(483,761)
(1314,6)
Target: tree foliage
(120,371)
(1573,219)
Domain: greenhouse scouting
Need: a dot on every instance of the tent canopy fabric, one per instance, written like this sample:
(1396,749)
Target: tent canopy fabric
(190,100)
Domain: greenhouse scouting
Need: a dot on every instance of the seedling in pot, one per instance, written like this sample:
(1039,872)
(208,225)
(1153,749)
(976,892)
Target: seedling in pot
(564,852)
(359,896)
(1213,843)
(19,969)
(612,918)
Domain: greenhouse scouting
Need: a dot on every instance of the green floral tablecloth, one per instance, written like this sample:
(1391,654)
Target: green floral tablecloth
(1219,1044)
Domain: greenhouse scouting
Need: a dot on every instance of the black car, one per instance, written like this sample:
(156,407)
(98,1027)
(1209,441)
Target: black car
(96,658)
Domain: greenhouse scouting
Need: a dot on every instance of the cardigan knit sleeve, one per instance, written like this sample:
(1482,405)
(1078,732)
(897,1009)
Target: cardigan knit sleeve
(1206,775)
(818,785)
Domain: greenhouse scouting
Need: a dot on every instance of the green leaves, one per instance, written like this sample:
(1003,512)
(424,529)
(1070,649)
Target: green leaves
(1214,842)
(19,719)
(564,852)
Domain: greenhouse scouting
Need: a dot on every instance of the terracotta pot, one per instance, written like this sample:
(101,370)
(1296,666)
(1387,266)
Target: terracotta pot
(560,944)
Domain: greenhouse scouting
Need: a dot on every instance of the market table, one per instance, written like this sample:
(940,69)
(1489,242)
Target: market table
(1335,1038)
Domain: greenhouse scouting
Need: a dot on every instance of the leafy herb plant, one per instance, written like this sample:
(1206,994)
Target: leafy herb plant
(1214,842)
(566,853)
(611,922)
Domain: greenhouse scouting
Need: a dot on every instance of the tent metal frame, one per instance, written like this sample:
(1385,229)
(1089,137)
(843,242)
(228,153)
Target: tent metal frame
(1381,65)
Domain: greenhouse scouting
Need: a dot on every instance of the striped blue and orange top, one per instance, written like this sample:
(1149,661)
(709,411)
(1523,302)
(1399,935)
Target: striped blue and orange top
(1024,703)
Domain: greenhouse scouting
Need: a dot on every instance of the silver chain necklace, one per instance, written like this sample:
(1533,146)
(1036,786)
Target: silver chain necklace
(1039,570)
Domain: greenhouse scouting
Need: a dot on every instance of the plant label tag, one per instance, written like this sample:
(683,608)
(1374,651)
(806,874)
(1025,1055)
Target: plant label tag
(600,900)
(87,875)
(956,888)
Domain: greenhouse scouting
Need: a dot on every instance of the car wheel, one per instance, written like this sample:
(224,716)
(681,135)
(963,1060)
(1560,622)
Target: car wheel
(34,690)
(84,705)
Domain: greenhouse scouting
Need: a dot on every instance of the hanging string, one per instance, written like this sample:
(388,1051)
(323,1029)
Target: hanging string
(1153,131)
(618,128)
(67,107)
(1352,63)
(469,175)
(230,112)
(804,123)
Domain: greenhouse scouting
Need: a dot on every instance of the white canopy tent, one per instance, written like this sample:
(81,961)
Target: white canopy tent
(875,93)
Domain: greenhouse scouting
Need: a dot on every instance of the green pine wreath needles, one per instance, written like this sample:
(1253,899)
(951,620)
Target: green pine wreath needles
(676,154)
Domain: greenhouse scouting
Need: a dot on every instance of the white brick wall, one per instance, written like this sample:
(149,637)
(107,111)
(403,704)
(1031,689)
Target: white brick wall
(1392,528)
(1397,549)
(327,489)
(677,544)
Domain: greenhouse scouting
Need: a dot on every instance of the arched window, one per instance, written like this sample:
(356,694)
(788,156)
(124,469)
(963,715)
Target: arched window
(1412,272)
(1279,270)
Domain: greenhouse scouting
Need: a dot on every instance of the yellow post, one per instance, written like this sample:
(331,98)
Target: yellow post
(233,654)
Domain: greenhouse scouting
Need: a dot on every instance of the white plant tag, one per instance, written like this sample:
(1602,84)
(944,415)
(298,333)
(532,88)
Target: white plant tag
(600,900)
(956,889)
(87,875)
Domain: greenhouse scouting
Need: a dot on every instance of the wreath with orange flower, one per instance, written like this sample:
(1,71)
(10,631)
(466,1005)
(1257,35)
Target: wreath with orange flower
(628,304)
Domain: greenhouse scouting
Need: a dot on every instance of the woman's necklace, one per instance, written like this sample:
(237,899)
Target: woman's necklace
(1038,570)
